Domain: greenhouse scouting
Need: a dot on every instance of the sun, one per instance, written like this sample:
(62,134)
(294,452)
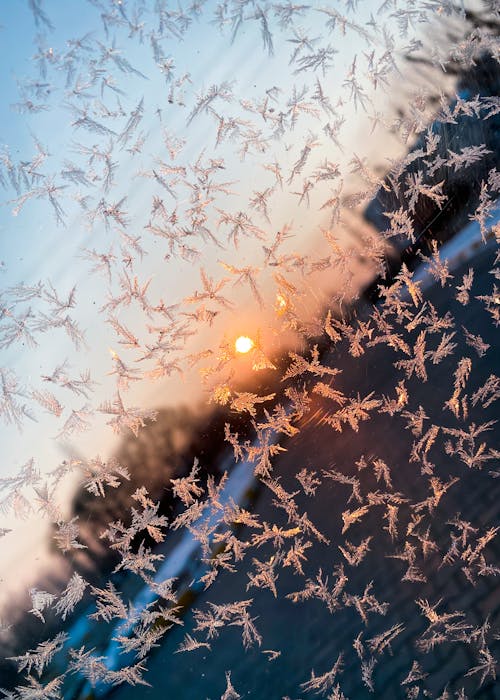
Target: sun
(243,344)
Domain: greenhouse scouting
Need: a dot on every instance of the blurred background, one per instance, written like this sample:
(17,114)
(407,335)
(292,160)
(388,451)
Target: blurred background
(174,179)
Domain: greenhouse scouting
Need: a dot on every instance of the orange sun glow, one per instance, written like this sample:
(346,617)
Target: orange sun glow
(243,344)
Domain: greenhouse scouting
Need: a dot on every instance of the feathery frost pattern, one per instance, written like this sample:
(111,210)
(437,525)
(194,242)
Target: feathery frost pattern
(249,313)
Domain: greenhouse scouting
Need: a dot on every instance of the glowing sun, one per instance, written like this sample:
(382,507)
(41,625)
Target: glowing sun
(243,344)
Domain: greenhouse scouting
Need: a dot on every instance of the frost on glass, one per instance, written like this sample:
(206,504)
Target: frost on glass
(248,349)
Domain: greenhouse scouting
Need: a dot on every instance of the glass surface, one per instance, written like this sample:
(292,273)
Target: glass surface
(249,316)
